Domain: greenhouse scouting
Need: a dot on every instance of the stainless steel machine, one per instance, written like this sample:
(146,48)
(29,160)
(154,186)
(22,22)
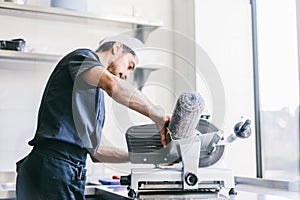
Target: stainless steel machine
(185,166)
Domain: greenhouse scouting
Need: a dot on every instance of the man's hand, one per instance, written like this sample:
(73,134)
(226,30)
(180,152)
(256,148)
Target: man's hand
(162,125)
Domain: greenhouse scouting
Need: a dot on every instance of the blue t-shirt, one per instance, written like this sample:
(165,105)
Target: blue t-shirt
(71,110)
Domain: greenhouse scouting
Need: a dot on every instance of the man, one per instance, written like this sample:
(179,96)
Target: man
(71,118)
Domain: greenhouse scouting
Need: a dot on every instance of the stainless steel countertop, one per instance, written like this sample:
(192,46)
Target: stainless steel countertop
(245,192)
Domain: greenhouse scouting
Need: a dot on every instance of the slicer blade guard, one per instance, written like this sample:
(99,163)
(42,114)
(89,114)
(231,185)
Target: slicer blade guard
(144,146)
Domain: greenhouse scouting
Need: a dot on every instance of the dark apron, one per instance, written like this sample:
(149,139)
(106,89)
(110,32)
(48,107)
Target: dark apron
(53,170)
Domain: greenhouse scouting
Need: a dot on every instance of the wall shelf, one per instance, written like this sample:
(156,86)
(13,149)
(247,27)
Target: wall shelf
(24,56)
(64,14)
(141,73)
(27,56)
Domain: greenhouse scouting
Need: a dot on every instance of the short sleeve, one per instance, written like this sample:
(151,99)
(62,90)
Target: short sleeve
(81,61)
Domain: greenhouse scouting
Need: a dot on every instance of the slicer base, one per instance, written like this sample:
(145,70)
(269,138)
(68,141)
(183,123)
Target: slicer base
(169,180)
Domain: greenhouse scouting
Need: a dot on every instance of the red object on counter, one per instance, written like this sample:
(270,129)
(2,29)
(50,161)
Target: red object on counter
(115,177)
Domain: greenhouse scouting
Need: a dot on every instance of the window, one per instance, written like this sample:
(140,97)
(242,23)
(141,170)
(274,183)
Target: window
(223,30)
(278,78)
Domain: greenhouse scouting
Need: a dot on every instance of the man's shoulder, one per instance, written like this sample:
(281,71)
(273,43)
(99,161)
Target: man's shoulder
(83,51)
(80,54)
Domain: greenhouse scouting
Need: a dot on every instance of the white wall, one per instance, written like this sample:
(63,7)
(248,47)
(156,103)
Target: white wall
(223,31)
(22,83)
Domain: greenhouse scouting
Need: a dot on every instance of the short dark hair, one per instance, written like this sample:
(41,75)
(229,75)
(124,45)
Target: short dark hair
(108,45)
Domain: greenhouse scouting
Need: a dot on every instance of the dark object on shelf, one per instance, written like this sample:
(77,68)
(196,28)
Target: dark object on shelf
(14,45)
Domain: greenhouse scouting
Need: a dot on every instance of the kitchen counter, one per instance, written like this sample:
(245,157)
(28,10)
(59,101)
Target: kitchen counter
(107,192)
(245,192)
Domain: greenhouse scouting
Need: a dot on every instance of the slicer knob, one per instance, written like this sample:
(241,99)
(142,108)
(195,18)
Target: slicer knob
(243,130)
(132,193)
(191,179)
(125,180)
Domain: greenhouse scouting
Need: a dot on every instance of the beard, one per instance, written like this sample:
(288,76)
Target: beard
(112,68)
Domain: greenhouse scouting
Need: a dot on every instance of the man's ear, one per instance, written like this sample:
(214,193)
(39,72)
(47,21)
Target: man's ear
(117,48)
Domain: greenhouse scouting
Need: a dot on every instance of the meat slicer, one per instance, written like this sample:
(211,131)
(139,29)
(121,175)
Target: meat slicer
(185,165)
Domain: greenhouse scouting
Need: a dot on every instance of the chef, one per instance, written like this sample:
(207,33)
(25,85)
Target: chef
(71,117)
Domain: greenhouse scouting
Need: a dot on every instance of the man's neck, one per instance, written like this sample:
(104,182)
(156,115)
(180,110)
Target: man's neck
(105,57)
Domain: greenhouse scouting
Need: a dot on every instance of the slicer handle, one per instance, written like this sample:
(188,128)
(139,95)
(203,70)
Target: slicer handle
(245,125)
(243,130)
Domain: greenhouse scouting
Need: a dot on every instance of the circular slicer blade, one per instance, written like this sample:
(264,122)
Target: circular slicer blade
(206,159)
